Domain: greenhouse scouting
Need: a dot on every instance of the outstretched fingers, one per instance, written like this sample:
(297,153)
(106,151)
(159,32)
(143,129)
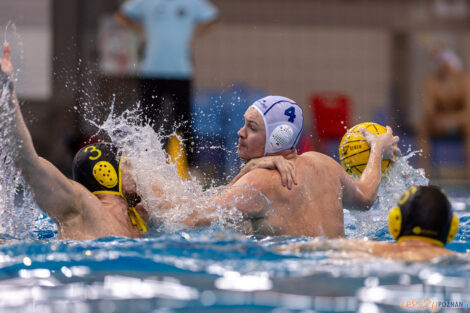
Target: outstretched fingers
(396,151)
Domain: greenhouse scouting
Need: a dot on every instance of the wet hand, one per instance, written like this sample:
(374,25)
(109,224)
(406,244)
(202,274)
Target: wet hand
(5,62)
(157,189)
(386,142)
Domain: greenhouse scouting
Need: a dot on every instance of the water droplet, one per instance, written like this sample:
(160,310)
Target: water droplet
(27,261)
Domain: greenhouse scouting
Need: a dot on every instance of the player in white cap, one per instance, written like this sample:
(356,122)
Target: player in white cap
(313,205)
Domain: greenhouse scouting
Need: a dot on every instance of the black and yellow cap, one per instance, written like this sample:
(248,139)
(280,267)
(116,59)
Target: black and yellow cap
(96,166)
(423,213)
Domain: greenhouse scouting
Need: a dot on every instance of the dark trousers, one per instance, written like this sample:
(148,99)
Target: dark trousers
(166,106)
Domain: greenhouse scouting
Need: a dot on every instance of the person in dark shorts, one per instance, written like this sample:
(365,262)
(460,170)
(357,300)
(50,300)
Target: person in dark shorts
(166,72)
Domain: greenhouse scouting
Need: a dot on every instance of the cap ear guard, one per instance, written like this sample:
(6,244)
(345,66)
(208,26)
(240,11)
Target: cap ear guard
(394,222)
(410,191)
(105,174)
(454,227)
(281,137)
(396,227)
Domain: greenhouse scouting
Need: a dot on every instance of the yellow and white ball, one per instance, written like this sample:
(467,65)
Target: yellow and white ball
(354,150)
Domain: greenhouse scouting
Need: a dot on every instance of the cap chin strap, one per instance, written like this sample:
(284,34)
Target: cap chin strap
(266,140)
(421,238)
(136,219)
(134,216)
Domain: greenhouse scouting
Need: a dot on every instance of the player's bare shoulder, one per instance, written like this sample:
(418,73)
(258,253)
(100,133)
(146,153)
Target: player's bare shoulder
(86,205)
(313,158)
(259,178)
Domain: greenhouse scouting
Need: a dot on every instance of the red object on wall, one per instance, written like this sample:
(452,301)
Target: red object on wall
(305,144)
(331,114)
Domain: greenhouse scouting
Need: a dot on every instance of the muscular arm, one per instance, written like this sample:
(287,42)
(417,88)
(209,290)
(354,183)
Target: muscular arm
(361,194)
(245,196)
(250,193)
(55,194)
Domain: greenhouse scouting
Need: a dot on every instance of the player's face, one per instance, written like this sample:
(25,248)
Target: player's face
(129,188)
(252,136)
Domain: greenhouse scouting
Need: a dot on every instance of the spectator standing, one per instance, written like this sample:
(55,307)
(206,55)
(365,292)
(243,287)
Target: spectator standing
(168,27)
(446,110)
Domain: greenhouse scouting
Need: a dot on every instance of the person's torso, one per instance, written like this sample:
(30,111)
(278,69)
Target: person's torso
(169,26)
(311,208)
(449,94)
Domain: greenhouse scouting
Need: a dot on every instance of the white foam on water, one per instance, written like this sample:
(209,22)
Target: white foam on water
(401,176)
(18,211)
(176,199)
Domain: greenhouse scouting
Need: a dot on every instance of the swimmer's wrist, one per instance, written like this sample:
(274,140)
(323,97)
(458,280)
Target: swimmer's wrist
(374,148)
(6,80)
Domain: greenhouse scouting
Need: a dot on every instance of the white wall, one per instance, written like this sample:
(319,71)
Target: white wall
(31,41)
(298,60)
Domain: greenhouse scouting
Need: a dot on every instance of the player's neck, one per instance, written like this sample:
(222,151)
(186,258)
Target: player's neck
(115,204)
(291,153)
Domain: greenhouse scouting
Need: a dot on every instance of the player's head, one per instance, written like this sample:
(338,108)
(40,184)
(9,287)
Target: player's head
(446,58)
(423,213)
(97,167)
(272,124)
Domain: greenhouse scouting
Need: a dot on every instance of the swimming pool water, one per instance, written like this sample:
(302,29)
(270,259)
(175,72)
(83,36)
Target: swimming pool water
(215,270)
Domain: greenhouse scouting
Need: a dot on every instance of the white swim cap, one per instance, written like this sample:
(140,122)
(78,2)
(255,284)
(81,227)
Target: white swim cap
(448,56)
(283,120)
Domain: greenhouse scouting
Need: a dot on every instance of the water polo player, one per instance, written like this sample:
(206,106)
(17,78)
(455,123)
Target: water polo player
(93,206)
(422,224)
(423,214)
(313,206)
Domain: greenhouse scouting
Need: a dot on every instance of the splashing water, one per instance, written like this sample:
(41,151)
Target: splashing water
(18,211)
(17,45)
(169,199)
(374,222)
(6,31)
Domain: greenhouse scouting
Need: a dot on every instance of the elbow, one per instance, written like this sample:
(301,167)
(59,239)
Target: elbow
(362,202)
(365,196)
(368,201)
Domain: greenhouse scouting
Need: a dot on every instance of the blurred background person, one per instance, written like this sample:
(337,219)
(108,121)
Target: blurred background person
(166,72)
(446,105)
(363,64)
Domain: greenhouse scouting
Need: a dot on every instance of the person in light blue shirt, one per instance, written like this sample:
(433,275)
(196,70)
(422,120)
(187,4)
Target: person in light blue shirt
(166,71)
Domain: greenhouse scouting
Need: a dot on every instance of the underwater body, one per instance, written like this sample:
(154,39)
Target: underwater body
(215,269)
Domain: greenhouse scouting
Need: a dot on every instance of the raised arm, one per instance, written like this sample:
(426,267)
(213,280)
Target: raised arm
(53,192)
(361,194)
